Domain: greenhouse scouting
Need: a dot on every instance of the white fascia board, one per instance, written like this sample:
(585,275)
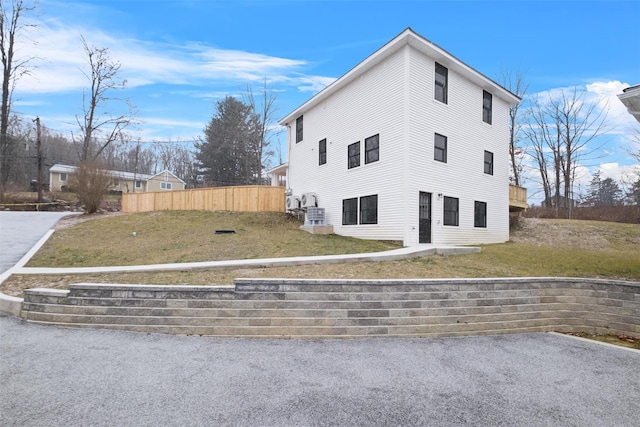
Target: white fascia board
(631,99)
(421,44)
(278,169)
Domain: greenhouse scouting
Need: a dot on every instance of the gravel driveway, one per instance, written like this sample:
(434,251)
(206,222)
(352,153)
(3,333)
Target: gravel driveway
(61,377)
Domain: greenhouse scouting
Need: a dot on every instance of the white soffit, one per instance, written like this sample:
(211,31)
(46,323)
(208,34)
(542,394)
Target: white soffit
(631,99)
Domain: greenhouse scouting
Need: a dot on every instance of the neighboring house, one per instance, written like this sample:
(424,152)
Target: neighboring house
(410,145)
(126,182)
(630,97)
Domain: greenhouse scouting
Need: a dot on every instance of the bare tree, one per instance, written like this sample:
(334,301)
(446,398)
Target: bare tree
(11,27)
(96,120)
(514,81)
(559,129)
(264,114)
(636,140)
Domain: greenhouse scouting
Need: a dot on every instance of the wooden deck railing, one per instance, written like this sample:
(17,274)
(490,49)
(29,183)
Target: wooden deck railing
(517,198)
(253,198)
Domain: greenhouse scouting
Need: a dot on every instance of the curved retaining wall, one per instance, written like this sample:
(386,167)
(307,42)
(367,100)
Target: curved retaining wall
(347,308)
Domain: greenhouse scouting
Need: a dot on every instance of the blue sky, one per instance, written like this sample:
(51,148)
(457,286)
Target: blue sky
(180,57)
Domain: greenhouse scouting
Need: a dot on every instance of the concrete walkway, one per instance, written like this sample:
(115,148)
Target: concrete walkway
(397,254)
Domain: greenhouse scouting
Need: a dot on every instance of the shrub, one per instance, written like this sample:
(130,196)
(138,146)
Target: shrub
(90,183)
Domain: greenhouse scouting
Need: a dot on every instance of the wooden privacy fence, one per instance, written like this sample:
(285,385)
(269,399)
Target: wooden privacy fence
(254,198)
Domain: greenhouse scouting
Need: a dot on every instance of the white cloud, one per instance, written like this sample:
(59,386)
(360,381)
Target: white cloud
(605,95)
(59,61)
(620,173)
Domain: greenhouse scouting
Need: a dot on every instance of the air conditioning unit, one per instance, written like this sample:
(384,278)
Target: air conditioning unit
(315,216)
(309,200)
(293,203)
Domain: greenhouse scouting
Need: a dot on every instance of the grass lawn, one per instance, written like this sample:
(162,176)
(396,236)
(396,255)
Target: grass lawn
(537,248)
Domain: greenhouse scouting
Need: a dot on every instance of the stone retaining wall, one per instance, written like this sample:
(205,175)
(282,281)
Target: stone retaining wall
(347,308)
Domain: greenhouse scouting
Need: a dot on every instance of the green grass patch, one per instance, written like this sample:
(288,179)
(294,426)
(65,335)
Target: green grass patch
(189,236)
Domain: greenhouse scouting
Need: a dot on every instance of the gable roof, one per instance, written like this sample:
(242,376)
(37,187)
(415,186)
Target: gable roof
(167,172)
(129,176)
(630,97)
(415,40)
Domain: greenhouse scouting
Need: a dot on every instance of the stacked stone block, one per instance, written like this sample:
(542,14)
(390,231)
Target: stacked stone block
(347,308)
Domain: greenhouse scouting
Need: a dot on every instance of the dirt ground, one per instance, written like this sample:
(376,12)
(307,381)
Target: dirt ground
(71,220)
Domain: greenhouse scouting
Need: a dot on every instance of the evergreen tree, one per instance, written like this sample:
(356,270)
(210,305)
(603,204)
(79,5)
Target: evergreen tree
(603,192)
(227,155)
(634,193)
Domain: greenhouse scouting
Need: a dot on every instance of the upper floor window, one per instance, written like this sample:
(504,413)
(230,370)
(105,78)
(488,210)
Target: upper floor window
(480,214)
(487,106)
(299,129)
(354,155)
(451,211)
(371,149)
(350,211)
(322,151)
(165,185)
(63,176)
(138,183)
(441,83)
(369,209)
(440,148)
(488,162)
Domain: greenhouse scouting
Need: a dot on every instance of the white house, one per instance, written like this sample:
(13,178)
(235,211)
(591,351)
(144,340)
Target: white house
(409,145)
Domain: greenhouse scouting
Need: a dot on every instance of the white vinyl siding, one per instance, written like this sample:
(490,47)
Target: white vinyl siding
(395,100)
(463,175)
(335,120)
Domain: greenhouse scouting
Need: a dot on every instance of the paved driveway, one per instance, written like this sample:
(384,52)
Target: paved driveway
(19,231)
(61,377)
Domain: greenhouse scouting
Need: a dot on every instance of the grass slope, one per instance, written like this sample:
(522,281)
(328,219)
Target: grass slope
(537,248)
(189,236)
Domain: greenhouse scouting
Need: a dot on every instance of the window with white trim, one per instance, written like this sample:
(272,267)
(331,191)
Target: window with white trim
(299,129)
(488,162)
(441,83)
(451,211)
(369,209)
(372,149)
(354,155)
(440,148)
(322,151)
(350,211)
(480,214)
(487,106)
(165,185)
